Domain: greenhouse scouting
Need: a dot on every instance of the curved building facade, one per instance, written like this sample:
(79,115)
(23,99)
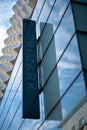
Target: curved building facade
(61,35)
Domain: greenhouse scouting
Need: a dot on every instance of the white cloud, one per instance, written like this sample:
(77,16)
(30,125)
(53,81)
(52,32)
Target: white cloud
(6,13)
(3,35)
(67,65)
(51,125)
(72,56)
(64,112)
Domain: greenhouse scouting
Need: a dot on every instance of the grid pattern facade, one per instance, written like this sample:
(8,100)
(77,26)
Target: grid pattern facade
(68,64)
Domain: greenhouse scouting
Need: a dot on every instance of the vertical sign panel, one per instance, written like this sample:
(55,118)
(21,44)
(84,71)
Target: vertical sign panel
(30,77)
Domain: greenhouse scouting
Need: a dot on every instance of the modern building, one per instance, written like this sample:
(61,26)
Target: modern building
(61,42)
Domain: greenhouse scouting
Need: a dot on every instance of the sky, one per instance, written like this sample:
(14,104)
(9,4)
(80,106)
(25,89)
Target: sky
(6,13)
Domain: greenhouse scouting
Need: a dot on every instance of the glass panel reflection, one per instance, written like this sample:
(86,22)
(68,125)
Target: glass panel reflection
(46,10)
(73,96)
(17,119)
(50,125)
(69,65)
(12,109)
(64,32)
(13,75)
(37,10)
(57,12)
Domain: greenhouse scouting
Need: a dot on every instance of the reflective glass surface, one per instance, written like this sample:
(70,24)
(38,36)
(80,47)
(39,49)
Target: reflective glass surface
(57,12)
(46,9)
(11,90)
(69,65)
(17,119)
(62,65)
(12,109)
(13,75)
(37,10)
(64,32)
(73,96)
(43,18)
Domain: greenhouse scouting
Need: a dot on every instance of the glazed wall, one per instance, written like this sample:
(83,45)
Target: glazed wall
(68,66)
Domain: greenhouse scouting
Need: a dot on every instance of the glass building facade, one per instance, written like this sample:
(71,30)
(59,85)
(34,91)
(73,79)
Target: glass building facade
(62,66)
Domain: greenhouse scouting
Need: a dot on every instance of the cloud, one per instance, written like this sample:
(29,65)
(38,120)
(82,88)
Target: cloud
(3,35)
(72,57)
(6,13)
(51,125)
(64,112)
(67,65)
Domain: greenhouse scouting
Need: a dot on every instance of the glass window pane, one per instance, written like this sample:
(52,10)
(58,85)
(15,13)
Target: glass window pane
(37,9)
(69,65)
(50,125)
(57,12)
(73,96)
(46,10)
(12,109)
(64,32)
(17,119)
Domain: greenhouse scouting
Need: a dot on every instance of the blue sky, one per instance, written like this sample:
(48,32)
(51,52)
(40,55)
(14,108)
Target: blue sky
(6,13)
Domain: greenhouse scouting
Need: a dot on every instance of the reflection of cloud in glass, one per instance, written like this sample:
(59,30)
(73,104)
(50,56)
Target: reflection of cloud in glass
(58,10)
(64,112)
(74,95)
(30,125)
(46,8)
(69,65)
(50,2)
(51,125)
(64,32)
(71,56)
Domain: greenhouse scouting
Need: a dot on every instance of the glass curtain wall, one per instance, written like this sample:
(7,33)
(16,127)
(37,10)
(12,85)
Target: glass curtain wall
(57,13)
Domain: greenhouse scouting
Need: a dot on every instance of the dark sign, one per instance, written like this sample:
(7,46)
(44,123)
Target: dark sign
(30,76)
